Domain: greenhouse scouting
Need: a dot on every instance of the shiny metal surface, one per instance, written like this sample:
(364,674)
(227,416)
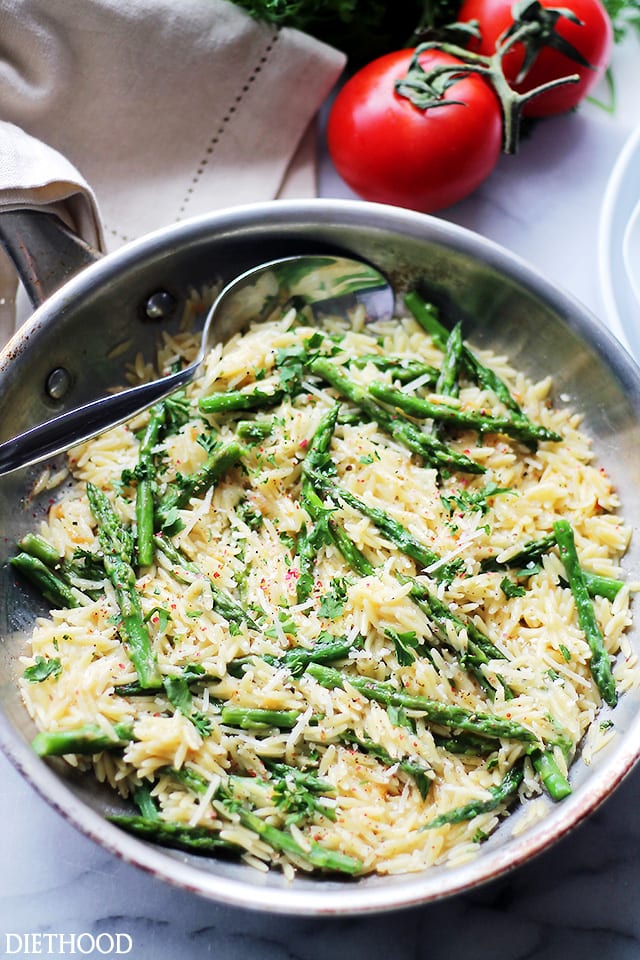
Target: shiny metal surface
(326,284)
(503,304)
(44,251)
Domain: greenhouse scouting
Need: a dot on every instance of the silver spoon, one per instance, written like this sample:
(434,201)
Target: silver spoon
(328,285)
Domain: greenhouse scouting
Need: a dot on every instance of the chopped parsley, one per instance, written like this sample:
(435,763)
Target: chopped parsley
(42,669)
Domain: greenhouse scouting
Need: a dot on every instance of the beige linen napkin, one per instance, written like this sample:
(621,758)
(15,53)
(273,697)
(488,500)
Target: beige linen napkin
(166,108)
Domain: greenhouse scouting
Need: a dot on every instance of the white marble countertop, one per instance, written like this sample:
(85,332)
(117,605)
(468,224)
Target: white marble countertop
(579,899)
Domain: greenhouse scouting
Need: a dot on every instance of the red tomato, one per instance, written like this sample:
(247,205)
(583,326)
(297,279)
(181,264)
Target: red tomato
(388,150)
(593,39)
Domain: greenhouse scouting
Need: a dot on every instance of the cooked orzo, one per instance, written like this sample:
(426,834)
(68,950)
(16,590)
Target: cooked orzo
(339,606)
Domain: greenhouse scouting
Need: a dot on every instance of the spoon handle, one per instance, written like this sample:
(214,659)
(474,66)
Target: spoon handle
(90,419)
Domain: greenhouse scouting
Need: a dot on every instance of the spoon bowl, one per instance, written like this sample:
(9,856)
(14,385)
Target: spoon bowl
(327,285)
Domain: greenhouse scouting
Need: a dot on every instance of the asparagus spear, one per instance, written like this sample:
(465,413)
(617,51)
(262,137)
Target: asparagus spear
(117,546)
(447,382)
(247,718)
(442,714)
(87,739)
(352,555)
(145,803)
(309,540)
(144,489)
(222,603)
(531,552)
(85,565)
(254,430)
(545,765)
(171,834)
(391,529)
(298,659)
(498,794)
(519,428)
(597,585)
(52,587)
(415,768)
(404,371)
(427,316)
(479,648)
(316,856)
(37,546)
(298,793)
(178,493)
(191,673)
(428,447)
(600,663)
(235,400)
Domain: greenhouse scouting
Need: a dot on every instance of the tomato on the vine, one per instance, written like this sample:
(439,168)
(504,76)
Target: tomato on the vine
(389,150)
(591,37)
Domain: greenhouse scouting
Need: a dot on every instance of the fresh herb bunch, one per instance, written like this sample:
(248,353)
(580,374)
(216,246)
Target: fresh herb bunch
(363,29)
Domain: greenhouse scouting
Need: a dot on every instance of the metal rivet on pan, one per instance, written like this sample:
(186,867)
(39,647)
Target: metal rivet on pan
(159,305)
(57,383)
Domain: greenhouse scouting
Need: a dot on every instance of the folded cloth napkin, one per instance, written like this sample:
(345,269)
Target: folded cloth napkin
(166,108)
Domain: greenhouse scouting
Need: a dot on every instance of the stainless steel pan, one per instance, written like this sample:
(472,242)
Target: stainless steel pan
(99,318)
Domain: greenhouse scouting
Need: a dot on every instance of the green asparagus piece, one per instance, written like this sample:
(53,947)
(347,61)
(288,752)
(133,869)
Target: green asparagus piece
(222,603)
(596,584)
(465,744)
(171,834)
(298,659)
(117,546)
(443,714)
(316,856)
(518,428)
(391,529)
(296,793)
(309,540)
(352,555)
(247,718)
(600,663)
(191,673)
(509,785)
(479,648)
(145,803)
(414,768)
(37,546)
(427,316)
(599,586)
(428,447)
(236,400)
(402,370)
(55,590)
(304,777)
(145,487)
(545,765)
(254,431)
(447,382)
(87,739)
(438,612)
(85,565)
(178,493)
(531,552)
